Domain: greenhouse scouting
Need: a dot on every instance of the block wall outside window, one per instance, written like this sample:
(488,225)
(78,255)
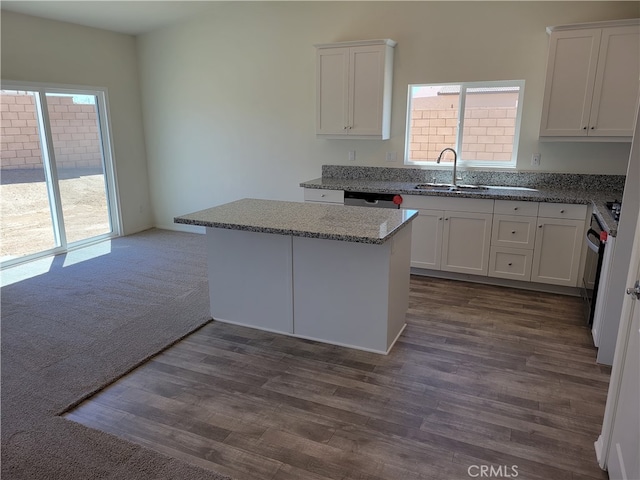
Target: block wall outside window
(74,129)
(489,126)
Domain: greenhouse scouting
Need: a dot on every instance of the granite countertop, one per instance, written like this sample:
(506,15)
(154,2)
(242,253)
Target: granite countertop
(312,220)
(558,194)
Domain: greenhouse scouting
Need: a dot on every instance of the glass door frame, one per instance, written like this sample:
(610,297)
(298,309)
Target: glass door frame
(50,167)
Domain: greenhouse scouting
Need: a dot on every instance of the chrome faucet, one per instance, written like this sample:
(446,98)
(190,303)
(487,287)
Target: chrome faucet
(455,162)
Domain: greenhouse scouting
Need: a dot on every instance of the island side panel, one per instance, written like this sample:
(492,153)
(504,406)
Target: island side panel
(399,278)
(250,279)
(341,292)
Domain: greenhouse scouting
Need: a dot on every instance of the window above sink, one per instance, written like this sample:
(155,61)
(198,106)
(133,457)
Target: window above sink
(486,133)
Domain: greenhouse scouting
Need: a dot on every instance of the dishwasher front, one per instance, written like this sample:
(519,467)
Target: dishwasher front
(368,199)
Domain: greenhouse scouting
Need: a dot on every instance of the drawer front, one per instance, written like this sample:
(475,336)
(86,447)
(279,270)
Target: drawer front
(514,207)
(427,202)
(326,196)
(511,263)
(513,231)
(562,210)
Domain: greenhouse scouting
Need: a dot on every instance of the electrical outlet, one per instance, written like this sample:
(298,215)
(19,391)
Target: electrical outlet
(392,157)
(535,160)
(352,155)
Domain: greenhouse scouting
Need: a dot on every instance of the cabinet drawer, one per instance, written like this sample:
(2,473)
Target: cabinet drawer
(513,231)
(514,207)
(511,263)
(562,210)
(326,196)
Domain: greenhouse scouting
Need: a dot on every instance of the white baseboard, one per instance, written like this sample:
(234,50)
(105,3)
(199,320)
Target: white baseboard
(536,287)
(138,229)
(305,337)
(181,227)
(599,445)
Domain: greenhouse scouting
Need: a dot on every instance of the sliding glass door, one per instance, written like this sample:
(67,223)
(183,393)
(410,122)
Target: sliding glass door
(24,191)
(57,184)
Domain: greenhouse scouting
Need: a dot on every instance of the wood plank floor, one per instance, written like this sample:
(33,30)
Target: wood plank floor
(482,375)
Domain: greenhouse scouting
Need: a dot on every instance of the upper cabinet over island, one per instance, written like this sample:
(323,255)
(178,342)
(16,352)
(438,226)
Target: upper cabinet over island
(592,82)
(353,89)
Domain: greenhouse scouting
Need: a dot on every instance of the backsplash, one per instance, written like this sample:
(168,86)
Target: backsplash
(478,177)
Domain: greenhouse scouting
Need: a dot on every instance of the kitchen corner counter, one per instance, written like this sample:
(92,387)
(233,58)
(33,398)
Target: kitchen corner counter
(595,198)
(330,222)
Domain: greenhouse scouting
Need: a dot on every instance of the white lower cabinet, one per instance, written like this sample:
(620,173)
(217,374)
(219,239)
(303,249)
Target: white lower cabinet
(466,238)
(558,246)
(556,255)
(451,234)
(426,239)
(512,239)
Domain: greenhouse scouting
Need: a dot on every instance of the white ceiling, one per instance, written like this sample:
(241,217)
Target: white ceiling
(130,17)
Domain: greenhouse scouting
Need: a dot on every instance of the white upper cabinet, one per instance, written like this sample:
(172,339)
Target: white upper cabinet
(592,83)
(617,79)
(353,89)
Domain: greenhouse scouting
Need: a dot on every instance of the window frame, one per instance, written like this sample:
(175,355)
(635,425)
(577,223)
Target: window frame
(462,162)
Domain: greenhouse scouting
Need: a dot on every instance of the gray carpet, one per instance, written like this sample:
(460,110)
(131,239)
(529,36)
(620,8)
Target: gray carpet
(71,331)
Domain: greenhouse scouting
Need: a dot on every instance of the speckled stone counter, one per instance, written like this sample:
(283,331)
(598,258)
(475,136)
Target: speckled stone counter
(331,222)
(593,190)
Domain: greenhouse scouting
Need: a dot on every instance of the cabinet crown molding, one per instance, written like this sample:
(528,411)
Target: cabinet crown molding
(608,23)
(358,43)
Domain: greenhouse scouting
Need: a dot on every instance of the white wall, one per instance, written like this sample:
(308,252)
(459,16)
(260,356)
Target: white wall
(229,97)
(46,51)
(622,253)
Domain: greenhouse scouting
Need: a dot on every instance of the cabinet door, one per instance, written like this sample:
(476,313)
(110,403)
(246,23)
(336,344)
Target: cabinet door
(616,85)
(332,91)
(426,239)
(465,242)
(556,255)
(366,77)
(569,85)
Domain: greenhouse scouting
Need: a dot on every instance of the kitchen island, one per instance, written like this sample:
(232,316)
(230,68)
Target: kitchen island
(331,273)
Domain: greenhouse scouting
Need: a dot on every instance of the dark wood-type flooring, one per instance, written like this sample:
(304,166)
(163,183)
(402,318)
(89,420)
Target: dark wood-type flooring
(482,375)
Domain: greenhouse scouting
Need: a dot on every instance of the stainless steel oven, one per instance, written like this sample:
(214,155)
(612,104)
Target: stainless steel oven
(596,241)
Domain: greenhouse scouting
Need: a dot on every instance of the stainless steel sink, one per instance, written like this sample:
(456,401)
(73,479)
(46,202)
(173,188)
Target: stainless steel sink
(447,187)
(507,187)
(470,187)
(433,186)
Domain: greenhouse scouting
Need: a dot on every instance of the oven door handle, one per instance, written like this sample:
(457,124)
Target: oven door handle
(593,246)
